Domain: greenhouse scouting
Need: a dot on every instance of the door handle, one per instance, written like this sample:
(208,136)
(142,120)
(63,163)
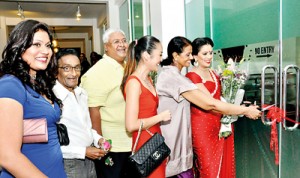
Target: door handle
(263,89)
(285,82)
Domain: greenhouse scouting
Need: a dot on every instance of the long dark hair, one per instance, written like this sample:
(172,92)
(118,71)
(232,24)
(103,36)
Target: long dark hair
(20,39)
(176,44)
(134,54)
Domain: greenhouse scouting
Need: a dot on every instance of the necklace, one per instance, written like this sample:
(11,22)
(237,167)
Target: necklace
(148,83)
(214,80)
(33,77)
(146,80)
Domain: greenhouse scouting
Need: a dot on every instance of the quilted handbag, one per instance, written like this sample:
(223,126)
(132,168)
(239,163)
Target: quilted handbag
(151,154)
(35,130)
(62,133)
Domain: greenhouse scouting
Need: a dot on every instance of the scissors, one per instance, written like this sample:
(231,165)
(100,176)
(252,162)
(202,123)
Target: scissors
(266,108)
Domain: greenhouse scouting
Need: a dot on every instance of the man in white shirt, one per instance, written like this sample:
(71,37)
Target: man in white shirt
(85,142)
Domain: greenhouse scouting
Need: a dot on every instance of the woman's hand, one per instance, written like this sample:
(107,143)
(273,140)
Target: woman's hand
(165,115)
(252,112)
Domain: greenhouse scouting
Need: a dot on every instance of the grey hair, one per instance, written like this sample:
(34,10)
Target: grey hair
(109,31)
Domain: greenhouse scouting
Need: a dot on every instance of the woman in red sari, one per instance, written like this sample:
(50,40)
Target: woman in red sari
(214,156)
(144,56)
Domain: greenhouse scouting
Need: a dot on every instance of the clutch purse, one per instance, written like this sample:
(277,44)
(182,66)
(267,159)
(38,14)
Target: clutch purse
(151,154)
(62,133)
(35,130)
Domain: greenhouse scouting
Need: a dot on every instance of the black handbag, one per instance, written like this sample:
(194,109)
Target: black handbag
(62,133)
(150,155)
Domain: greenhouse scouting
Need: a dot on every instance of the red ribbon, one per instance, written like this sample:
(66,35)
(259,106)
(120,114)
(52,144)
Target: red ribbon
(275,114)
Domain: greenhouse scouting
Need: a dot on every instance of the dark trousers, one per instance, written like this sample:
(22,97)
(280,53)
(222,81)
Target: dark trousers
(121,168)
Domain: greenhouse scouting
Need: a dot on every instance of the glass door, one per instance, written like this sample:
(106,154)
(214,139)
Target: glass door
(140,18)
(265,34)
(290,59)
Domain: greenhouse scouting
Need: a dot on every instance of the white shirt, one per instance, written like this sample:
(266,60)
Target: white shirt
(76,117)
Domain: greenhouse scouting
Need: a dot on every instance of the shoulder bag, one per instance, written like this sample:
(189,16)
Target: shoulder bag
(62,133)
(35,130)
(151,154)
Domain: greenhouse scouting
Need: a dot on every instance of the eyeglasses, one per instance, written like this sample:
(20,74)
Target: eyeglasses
(119,42)
(69,68)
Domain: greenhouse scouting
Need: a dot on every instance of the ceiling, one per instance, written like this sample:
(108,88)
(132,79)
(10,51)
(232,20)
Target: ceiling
(56,9)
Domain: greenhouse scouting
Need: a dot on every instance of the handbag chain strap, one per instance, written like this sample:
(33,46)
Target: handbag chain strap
(138,136)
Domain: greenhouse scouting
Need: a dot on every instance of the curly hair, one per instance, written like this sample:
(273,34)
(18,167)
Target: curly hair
(20,39)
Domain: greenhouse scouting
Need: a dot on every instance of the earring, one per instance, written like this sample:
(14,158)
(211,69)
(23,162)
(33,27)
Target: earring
(196,63)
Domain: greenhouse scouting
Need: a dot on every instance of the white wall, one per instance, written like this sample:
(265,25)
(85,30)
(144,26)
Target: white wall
(3,38)
(167,20)
(6,21)
(113,13)
(85,46)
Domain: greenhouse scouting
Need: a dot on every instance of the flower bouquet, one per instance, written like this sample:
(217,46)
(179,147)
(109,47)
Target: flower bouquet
(232,79)
(106,145)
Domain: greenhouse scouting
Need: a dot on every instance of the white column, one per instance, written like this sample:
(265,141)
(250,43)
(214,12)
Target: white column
(167,20)
(96,38)
(3,36)
(113,15)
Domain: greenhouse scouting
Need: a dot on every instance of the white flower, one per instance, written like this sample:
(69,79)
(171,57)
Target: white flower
(232,79)
(219,71)
(231,64)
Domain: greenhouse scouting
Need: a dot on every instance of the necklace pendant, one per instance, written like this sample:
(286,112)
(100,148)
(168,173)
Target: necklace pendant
(33,77)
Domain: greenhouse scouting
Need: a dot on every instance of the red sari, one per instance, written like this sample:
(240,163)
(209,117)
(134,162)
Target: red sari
(214,156)
(147,108)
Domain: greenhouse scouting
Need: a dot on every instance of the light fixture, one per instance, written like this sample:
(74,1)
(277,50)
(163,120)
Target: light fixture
(78,15)
(55,41)
(20,12)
